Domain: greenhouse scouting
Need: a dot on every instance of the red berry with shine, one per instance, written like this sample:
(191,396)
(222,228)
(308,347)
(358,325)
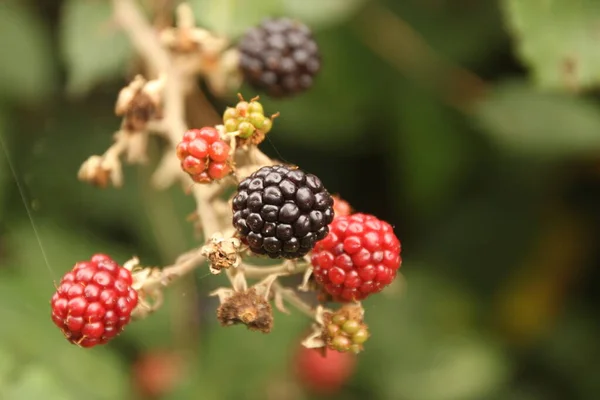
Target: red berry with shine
(203,155)
(209,134)
(218,170)
(323,374)
(360,256)
(94,301)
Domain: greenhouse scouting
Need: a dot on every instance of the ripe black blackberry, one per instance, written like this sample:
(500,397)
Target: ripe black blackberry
(282,212)
(279,57)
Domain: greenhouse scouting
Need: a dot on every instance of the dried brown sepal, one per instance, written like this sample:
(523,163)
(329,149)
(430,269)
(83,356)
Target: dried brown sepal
(139,102)
(96,171)
(141,110)
(248,308)
(222,253)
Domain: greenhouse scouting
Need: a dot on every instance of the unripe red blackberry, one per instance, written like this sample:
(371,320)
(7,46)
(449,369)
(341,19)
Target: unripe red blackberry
(279,57)
(282,212)
(94,301)
(359,256)
(203,155)
(323,374)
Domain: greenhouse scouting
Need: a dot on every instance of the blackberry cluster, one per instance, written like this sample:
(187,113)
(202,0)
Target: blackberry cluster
(282,212)
(279,57)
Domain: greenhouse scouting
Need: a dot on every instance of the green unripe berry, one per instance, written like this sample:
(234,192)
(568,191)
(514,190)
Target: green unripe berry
(355,348)
(338,319)
(341,343)
(230,113)
(267,125)
(255,107)
(257,119)
(246,129)
(351,327)
(361,336)
(242,108)
(333,330)
(231,125)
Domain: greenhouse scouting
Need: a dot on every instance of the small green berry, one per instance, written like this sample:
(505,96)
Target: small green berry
(338,319)
(230,113)
(333,330)
(355,348)
(246,129)
(351,327)
(242,108)
(361,336)
(255,107)
(231,125)
(341,343)
(267,125)
(257,119)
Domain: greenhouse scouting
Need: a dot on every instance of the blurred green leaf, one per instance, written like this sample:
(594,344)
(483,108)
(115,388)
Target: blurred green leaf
(449,27)
(558,39)
(94,48)
(7,364)
(233,17)
(27,67)
(321,14)
(250,358)
(433,153)
(5,167)
(36,382)
(531,122)
(423,347)
(337,111)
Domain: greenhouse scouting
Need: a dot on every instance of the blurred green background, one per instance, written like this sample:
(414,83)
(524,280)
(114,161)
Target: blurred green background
(472,126)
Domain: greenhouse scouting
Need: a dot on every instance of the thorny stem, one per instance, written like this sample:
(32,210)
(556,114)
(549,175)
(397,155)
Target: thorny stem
(292,297)
(286,268)
(113,153)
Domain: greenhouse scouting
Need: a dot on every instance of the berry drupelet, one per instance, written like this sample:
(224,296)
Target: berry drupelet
(94,301)
(359,256)
(282,212)
(279,57)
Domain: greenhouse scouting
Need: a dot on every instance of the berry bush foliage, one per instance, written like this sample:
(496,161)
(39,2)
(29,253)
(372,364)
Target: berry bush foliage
(251,209)
(208,198)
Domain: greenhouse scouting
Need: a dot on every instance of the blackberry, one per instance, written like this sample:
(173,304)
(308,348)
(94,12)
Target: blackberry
(282,212)
(279,57)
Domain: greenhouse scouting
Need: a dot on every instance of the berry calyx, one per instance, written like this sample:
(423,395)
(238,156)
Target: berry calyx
(94,301)
(360,256)
(203,155)
(323,373)
(248,121)
(344,329)
(281,211)
(279,57)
